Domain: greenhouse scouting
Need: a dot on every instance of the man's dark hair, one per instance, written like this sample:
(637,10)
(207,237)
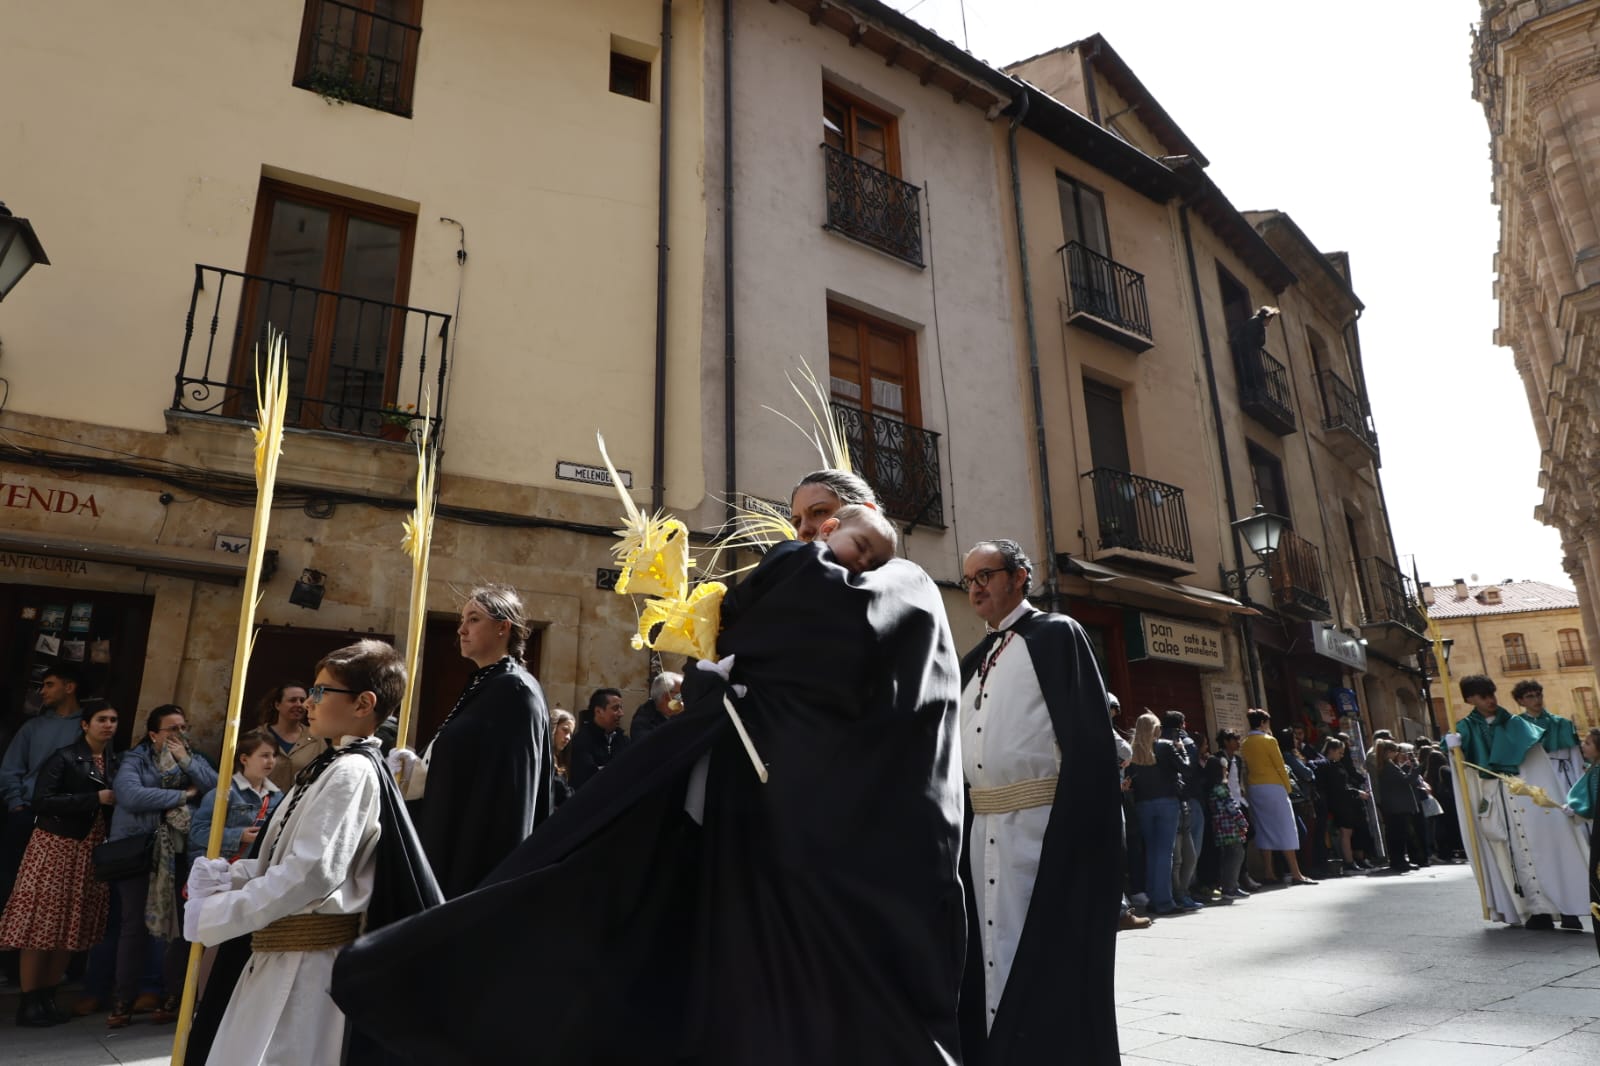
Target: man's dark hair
(598,698)
(1257,718)
(1526,687)
(370,666)
(1330,742)
(1172,720)
(1225,735)
(1476,685)
(152,721)
(65,673)
(1011,554)
(1382,734)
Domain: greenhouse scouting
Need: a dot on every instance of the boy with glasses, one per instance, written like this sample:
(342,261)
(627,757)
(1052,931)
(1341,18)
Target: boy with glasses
(339,858)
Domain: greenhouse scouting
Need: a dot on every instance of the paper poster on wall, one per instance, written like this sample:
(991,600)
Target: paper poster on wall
(79,620)
(73,650)
(100,651)
(29,614)
(47,645)
(55,616)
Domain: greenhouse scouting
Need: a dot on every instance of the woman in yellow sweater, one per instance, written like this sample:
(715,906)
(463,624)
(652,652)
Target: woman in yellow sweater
(1267,786)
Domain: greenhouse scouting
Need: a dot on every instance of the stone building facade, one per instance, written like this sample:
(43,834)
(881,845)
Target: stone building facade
(1536,70)
(1516,631)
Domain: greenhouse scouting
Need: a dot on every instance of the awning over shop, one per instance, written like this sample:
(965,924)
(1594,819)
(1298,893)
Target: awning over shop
(1170,591)
(195,563)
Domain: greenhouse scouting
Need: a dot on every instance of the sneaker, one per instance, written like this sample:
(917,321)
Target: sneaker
(1250,884)
(1139,899)
(1237,893)
(1187,905)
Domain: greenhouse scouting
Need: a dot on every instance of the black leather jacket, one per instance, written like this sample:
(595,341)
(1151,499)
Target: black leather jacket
(66,798)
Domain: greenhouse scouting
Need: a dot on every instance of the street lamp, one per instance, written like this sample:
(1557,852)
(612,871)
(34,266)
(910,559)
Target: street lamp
(1262,530)
(19,250)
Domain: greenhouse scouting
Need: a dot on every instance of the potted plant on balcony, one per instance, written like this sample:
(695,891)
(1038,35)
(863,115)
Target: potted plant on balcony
(396,421)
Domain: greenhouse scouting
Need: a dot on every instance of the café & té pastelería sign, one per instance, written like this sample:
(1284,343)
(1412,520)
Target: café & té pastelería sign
(1157,637)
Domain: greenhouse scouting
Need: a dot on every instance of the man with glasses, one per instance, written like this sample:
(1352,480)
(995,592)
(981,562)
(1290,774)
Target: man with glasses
(1043,820)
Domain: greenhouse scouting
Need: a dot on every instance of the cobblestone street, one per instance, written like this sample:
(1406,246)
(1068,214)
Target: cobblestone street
(1362,970)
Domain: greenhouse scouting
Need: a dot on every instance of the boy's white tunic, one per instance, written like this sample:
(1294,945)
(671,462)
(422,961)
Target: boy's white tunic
(318,861)
(1006,739)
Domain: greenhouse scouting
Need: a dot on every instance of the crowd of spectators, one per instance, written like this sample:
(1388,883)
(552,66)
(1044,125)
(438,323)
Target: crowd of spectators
(1209,824)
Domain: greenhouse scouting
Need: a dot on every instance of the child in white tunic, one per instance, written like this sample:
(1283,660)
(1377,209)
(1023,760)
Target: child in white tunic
(305,897)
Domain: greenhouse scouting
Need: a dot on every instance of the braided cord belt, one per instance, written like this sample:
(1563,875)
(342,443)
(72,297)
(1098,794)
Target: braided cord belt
(1017,796)
(307,932)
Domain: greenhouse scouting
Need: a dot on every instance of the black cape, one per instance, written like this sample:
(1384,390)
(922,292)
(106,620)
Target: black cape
(489,777)
(402,885)
(814,919)
(1058,1004)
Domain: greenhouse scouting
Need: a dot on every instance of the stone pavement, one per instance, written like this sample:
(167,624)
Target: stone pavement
(1362,970)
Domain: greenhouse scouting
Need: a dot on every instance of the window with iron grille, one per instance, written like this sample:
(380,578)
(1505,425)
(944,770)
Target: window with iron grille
(1571,648)
(361,52)
(872,370)
(1517,657)
(1587,704)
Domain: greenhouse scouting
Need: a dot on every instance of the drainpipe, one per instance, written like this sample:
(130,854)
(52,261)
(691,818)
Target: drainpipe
(1220,429)
(730,440)
(658,468)
(1052,589)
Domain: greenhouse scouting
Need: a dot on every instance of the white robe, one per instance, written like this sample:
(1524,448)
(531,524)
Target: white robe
(1006,739)
(319,861)
(1520,844)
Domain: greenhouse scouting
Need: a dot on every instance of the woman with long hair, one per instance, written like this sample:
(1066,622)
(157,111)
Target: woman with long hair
(1343,798)
(1268,783)
(561,726)
(57,906)
(158,784)
(1396,800)
(484,780)
(282,716)
(1157,774)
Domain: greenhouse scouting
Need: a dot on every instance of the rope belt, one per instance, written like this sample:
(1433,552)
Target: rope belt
(307,932)
(1018,796)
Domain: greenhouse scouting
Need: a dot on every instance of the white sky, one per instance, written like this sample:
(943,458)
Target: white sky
(1358,120)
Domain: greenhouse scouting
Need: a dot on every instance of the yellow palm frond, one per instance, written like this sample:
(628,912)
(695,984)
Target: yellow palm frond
(653,549)
(1518,787)
(687,626)
(272,398)
(825,433)
(417,543)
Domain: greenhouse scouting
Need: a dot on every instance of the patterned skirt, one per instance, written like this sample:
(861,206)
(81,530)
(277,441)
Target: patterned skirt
(57,905)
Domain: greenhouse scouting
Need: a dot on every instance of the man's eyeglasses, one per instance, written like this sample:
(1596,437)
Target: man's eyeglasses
(315,693)
(982,578)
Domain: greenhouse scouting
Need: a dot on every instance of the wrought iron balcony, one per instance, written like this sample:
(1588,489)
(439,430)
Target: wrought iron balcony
(1572,657)
(1295,571)
(1519,664)
(1264,391)
(354,55)
(900,461)
(1343,410)
(349,356)
(872,206)
(1389,598)
(1140,515)
(1105,297)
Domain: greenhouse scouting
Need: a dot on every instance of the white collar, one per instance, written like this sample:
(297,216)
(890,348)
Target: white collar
(1014,617)
(243,783)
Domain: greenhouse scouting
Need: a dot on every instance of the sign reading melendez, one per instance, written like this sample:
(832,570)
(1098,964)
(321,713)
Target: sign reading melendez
(1181,642)
(567,470)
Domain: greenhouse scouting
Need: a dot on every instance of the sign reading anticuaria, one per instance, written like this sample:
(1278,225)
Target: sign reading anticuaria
(43,563)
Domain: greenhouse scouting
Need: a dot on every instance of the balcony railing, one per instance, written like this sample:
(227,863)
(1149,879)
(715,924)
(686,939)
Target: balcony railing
(900,461)
(1264,391)
(1140,514)
(1295,571)
(1389,596)
(873,206)
(353,55)
(1519,664)
(1105,297)
(353,362)
(1343,410)
(1572,657)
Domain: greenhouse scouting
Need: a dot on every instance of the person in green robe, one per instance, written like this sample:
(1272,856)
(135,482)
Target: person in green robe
(1583,802)
(1557,735)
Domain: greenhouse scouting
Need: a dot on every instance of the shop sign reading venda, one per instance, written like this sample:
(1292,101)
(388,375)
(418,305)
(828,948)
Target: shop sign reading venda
(1179,642)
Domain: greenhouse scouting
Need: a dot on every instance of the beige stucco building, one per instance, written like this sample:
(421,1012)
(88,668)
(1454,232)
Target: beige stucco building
(1515,631)
(1536,70)
(1168,418)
